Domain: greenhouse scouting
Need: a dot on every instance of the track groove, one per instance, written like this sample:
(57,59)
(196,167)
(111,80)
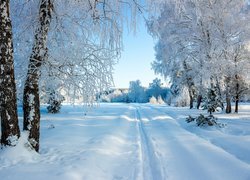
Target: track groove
(149,162)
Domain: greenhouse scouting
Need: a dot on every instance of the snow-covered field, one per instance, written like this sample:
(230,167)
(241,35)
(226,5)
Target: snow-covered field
(132,141)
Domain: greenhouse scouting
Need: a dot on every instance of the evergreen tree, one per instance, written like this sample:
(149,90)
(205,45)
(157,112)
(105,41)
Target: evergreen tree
(213,100)
(55,101)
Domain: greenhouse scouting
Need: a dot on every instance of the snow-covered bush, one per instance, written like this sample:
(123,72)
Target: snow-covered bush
(160,100)
(116,95)
(182,99)
(210,120)
(119,96)
(202,120)
(190,119)
(153,100)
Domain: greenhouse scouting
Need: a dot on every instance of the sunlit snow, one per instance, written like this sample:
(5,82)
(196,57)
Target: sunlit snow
(132,141)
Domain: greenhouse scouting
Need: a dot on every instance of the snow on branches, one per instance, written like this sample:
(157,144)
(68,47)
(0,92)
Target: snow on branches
(203,42)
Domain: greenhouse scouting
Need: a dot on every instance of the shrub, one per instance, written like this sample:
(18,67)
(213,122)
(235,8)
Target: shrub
(202,120)
(153,100)
(160,100)
(210,120)
(190,119)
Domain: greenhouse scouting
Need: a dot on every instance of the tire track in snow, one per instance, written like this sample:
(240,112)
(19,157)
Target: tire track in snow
(150,169)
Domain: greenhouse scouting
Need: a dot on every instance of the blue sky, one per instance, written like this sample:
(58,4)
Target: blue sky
(136,58)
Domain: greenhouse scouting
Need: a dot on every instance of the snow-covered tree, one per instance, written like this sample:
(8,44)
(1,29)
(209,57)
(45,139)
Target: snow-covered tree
(99,23)
(31,100)
(55,101)
(215,31)
(240,80)
(155,88)
(8,108)
(136,92)
(174,49)
(213,100)
(182,99)
(53,95)
(231,39)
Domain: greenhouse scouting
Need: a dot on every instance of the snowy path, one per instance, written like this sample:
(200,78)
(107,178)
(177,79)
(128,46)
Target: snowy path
(131,142)
(149,164)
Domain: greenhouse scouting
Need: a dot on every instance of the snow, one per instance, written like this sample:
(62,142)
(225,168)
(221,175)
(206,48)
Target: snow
(132,141)
(13,139)
(8,116)
(32,111)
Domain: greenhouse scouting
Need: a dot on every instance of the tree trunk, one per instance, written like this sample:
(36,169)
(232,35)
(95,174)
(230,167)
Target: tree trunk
(31,103)
(228,98)
(237,98)
(228,108)
(191,101)
(219,92)
(236,105)
(190,84)
(199,99)
(8,108)
(228,101)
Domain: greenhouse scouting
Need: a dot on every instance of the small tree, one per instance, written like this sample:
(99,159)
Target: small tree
(212,100)
(204,121)
(55,102)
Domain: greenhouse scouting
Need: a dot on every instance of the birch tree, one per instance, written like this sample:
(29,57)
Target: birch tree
(31,102)
(8,108)
(101,24)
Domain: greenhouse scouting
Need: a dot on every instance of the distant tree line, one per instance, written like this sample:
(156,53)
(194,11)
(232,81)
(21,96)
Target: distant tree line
(136,93)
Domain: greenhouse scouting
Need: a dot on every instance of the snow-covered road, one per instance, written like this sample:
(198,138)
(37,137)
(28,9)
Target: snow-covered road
(132,141)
